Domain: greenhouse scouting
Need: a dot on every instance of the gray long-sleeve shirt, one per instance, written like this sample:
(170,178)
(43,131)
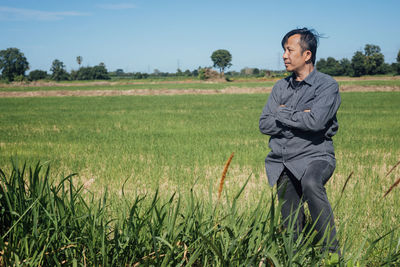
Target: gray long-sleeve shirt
(299,137)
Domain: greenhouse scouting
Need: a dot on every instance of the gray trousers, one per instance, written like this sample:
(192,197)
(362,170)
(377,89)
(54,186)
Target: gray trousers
(309,188)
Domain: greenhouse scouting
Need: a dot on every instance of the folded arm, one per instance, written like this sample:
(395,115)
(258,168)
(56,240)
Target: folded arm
(315,119)
(269,124)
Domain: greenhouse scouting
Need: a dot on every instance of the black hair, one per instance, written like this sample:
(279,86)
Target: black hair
(308,40)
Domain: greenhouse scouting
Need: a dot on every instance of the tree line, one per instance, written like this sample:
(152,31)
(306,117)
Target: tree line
(368,62)
(13,66)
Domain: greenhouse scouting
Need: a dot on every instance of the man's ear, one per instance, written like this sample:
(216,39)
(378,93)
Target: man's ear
(307,56)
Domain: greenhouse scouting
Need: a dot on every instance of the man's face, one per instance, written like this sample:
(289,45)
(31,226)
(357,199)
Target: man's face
(294,57)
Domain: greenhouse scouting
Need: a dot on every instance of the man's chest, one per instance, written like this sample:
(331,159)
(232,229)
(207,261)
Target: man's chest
(301,98)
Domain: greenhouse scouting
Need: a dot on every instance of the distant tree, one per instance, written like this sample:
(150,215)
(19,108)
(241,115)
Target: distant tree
(100,72)
(321,65)
(179,72)
(13,63)
(202,74)
(235,73)
(398,63)
(73,75)
(138,75)
(222,60)
(333,66)
(398,57)
(79,59)
(84,73)
(37,75)
(330,66)
(20,78)
(370,50)
(374,60)
(246,71)
(393,68)
(156,72)
(358,64)
(195,73)
(58,71)
(267,73)
(187,73)
(119,72)
(345,66)
(386,69)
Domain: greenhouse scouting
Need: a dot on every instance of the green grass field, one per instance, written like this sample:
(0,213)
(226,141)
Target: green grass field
(173,142)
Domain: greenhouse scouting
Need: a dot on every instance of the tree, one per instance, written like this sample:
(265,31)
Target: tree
(358,64)
(222,60)
(13,63)
(329,66)
(398,57)
(100,72)
(370,49)
(79,60)
(195,73)
(84,73)
(119,72)
(334,67)
(138,75)
(345,66)
(321,65)
(37,75)
(58,71)
(156,72)
(374,60)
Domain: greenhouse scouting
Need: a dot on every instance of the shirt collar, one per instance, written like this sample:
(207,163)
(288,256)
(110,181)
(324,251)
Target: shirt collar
(310,79)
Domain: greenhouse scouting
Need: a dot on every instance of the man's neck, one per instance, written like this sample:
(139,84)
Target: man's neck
(304,72)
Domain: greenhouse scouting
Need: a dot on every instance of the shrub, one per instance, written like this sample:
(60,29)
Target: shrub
(37,75)
(208,74)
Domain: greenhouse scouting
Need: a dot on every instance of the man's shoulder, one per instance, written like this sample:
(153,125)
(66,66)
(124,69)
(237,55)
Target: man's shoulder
(324,78)
(283,82)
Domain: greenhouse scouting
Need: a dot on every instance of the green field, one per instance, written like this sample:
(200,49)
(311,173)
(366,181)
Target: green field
(173,142)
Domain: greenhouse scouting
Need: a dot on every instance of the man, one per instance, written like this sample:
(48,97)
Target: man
(300,117)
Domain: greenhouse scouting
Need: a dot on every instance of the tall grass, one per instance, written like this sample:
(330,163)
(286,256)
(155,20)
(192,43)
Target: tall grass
(47,224)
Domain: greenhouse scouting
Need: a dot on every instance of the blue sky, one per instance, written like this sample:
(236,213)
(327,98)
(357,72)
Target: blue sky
(143,35)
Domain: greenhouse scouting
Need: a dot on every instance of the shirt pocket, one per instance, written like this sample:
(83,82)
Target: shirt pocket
(307,99)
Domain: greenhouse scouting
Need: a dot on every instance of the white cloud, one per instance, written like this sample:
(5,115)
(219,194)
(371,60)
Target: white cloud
(120,6)
(11,13)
